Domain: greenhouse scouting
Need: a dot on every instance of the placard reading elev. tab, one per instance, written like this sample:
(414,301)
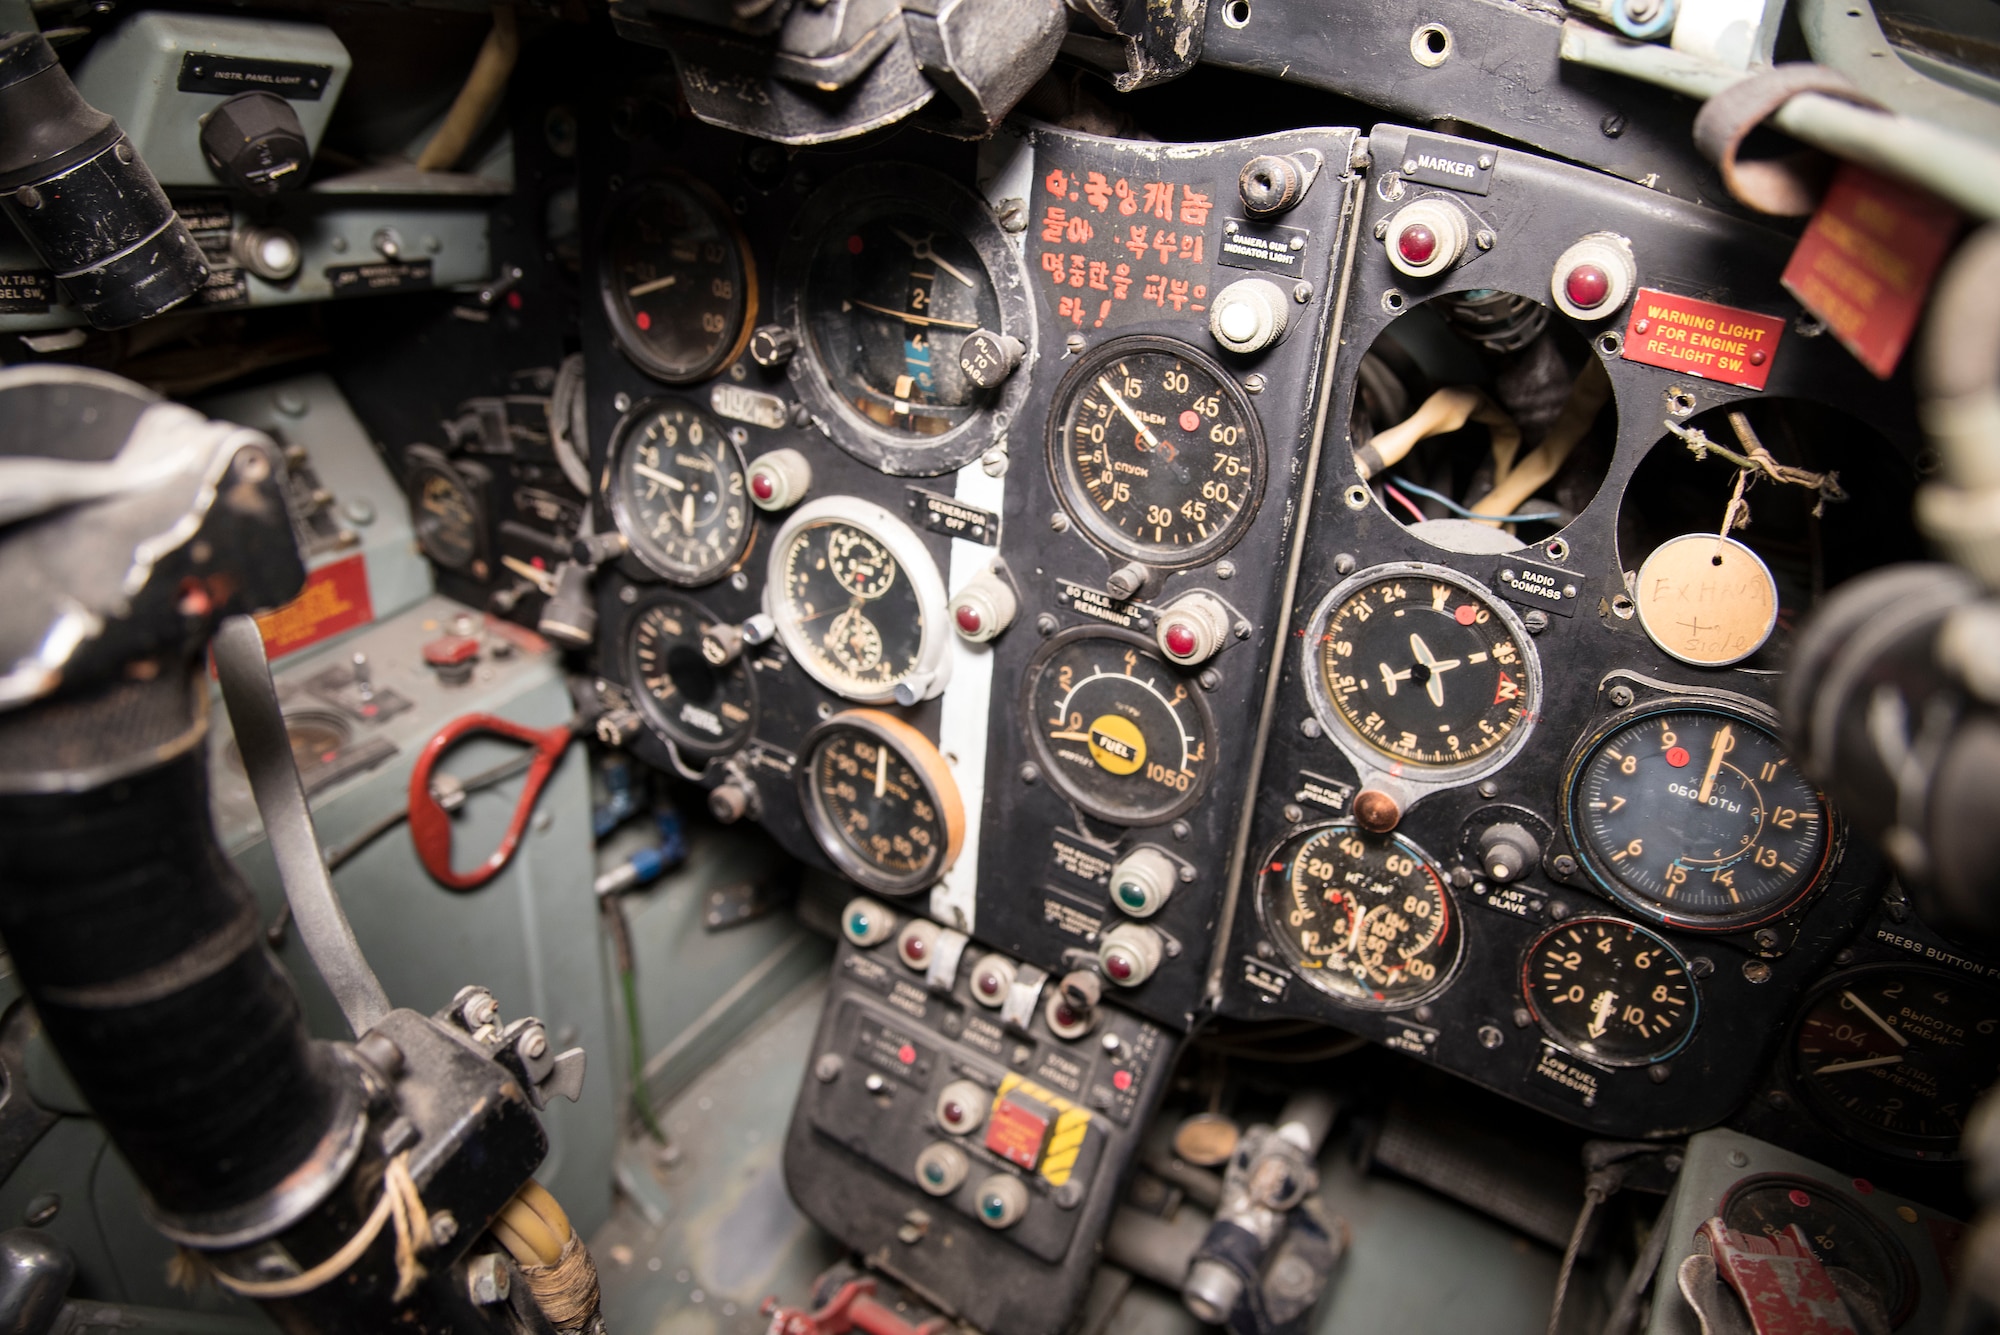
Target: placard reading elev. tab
(1702,338)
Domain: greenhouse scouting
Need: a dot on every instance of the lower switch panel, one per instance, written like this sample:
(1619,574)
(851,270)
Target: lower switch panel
(956,1139)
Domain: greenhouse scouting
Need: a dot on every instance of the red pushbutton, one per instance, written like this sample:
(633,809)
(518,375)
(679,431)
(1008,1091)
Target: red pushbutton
(1417,243)
(989,984)
(1065,1018)
(1180,640)
(1119,966)
(969,619)
(914,949)
(451,651)
(907,1055)
(1587,286)
(762,486)
(1122,1080)
(954,1113)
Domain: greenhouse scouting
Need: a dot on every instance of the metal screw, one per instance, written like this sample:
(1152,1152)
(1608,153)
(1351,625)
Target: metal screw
(1253,384)
(1343,564)
(1558,910)
(1294,813)
(739,581)
(1778,1099)
(1738,1159)
(1564,864)
(874,1084)
(1521,1017)
(1012,213)
(1536,620)
(1701,966)
(827,1069)
(1756,971)
(628,595)
(621,402)
(1209,679)
(1659,1071)
(993,463)
(534,1044)
(1381,228)
(1302,292)
(1767,940)
(1264,950)
(1225,569)
(1488,788)
(1612,125)
(1058,523)
(1046,624)
(252,464)
(42,1209)
(1030,772)
(1619,696)
(444,1227)
(28,198)
(1074,344)
(1485,161)
(1490,1036)
(123,152)
(1310,727)
(487,1280)
(1484,239)
(1424,1014)
(1182,831)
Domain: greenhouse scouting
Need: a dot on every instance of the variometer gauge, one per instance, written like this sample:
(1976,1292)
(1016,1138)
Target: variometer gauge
(1156,452)
(890,271)
(676,491)
(1610,991)
(450,526)
(679,284)
(1840,1232)
(1363,917)
(881,801)
(1121,732)
(1417,670)
(1693,815)
(703,709)
(1895,1055)
(858,602)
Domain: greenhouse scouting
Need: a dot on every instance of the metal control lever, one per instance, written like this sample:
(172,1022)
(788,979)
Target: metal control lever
(430,822)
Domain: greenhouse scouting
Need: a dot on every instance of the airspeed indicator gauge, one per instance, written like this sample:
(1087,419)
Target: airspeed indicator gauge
(881,801)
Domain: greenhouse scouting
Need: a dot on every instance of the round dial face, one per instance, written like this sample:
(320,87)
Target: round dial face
(881,801)
(679,285)
(1695,816)
(447,519)
(1363,916)
(890,297)
(1897,1055)
(1610,991)
(1838,1231)
(703,709)
(848,609)
(1158,454)
(1122,733)
(1424,670)
(677,492)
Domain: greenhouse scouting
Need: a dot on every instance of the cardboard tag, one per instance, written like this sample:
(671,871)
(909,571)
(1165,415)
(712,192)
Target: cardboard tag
(1702,338)
(1866,261)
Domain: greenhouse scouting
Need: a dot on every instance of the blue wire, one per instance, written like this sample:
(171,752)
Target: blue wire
(1457,509)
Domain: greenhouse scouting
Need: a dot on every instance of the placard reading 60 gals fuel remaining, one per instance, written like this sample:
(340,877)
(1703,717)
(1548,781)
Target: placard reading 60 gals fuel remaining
(1701,338)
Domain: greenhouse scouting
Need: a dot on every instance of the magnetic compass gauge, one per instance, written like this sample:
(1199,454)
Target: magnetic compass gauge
(703,709)
(679,284)
(1695,816)
(1610,991)
(677,492)
(881,801)
(1121,732)
(1156,452)
(1363,917)
(858,602)
(1421,668)
(1896,1055)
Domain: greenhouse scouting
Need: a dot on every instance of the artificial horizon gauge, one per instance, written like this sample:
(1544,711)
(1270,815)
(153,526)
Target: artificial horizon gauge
(1156,452)
(1121,732)
(1840,1232)
(1693,814)
(1363,917)
(679,284)
(1610,990)
(677,491)
(447,514)
(890,270)
(858,602)
(1417,667)
(1895,1055)
(704,710)
(881,801)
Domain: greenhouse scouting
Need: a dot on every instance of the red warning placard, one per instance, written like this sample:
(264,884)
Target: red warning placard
(334,599)
(1702,338)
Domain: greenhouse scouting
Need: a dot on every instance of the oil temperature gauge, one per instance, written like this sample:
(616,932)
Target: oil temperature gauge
(858,602)
(1364,917)
(679,285)
(1610,991)
(1121,732)
(677,492)
(881,801)
(1694,816)
(704,710)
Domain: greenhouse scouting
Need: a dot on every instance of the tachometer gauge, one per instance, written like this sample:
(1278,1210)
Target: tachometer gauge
(858,602)
(1156,452)
(679,284)
(1695,816)
(677,491)
(449,526)
(1364,917)
(702,709)
(1839,1231)
(1895,1055)
(1610,991)
(1121,732)
(881,801)
(1423,670)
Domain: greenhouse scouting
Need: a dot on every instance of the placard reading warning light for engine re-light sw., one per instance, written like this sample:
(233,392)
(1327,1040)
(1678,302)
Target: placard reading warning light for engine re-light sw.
(1701,338)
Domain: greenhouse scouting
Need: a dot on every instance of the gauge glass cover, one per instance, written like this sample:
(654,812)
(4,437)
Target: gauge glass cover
(677,492)
(881,801)
(702,709)
(1363,917)
(1121,732)
(447,518)
(1157,452)
(1839,1231)
(679,283)
(1610,991)
(1695,816)
(1423,670)
(1896,1055)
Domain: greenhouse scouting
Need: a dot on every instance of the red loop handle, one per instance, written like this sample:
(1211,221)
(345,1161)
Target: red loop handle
(430,823)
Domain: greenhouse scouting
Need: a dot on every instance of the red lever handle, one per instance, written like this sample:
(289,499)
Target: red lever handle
(430,824)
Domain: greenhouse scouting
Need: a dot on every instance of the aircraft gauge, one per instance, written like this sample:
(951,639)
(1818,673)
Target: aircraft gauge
(881,801)
(1610,991)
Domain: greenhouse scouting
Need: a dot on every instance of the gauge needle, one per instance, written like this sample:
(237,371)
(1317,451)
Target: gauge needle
(1724,743)
(1600,1012)
(541,579)
(1831,1067)
(1145,433)
(922,250)
(881,770)
(687,513)
(655,475)
(1434,684)
(1354,940)
(657,285)
(1879,1022)
(909,317)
